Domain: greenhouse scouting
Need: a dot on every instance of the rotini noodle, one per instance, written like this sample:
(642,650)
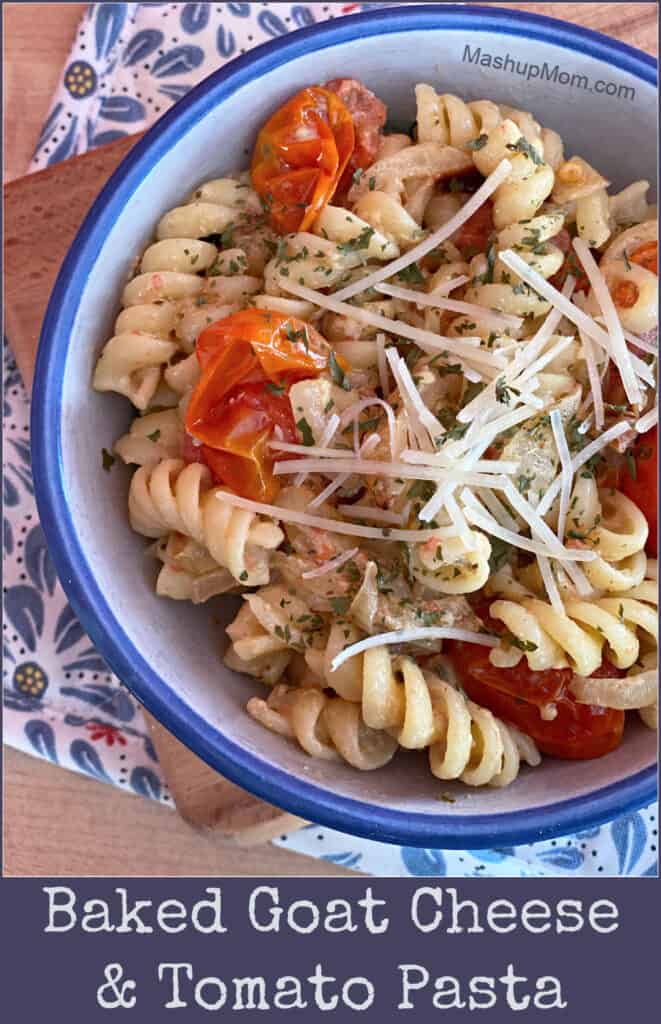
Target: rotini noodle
(325,727)
(529,182)
(177,497)
(471,744)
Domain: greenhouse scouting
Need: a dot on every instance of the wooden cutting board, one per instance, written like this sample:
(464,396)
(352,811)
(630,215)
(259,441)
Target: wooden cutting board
(42,214)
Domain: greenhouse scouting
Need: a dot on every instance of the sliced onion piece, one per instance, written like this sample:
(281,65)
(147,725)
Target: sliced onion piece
(628,694)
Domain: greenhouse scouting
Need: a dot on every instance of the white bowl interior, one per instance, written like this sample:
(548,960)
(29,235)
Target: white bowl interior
(183,643)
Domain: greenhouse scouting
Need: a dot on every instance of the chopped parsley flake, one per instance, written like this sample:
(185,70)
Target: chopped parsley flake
(304,427)
(337,373)
(361,241)
(522,645)
(523,146)
(107,459)
(411,274)
(504,391)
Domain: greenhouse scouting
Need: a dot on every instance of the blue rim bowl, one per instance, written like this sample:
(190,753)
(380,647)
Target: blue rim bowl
(291,792)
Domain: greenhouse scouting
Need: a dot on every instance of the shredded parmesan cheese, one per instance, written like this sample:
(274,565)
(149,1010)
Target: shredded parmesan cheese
(445,287)
(441,459)
(647,421)
(486,316)
(410,394)
(544,360)
(634,339)
(459,521)
(594,379)
(580,459)
(566,470)
(569,310)
(327,435)
(619,350)
(352,412)
(541,529)
(498,510)
(550,584)
(396,470)
(331,566)
(368,445)
(407,636)
(379,515)
(485,522)
(288,515)
(465,348)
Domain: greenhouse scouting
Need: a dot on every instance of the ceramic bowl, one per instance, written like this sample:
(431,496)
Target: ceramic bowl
(600,95)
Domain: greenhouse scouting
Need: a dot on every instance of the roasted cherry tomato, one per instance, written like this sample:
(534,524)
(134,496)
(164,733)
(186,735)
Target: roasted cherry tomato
(537,688)
(249,360)
(300,155)
(640,482)
(570,266)
(647,256)
(251,416)
(578,732)
(473,236)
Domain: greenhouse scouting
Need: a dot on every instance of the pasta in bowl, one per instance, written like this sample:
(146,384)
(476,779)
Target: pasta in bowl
(273,526)
(375,381)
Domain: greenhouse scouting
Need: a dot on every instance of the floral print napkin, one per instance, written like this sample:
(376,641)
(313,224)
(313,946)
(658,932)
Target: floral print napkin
(128,64)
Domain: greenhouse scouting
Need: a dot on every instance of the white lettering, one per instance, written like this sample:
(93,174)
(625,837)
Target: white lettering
(352,1003)
(409,984)
(510,980)
(609,913)
(273,925)
(501,909)
(554,992)
(64,906)
(480,986)
(175,1002)
(533,910)
(171,910)
(211,983)
(436,893)
(370,903)
(214,904)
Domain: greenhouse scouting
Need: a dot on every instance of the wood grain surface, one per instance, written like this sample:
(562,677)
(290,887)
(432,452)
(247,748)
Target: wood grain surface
(56,822)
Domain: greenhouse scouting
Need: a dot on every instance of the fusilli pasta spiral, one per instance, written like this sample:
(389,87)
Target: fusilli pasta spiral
(471,744)
(177,497)
(325,727)
(529,182)
(452,122)
(169,302)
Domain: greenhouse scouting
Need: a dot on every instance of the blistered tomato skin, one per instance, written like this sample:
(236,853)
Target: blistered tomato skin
(248,361)
(300,155)
(578,731)
(473,236)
